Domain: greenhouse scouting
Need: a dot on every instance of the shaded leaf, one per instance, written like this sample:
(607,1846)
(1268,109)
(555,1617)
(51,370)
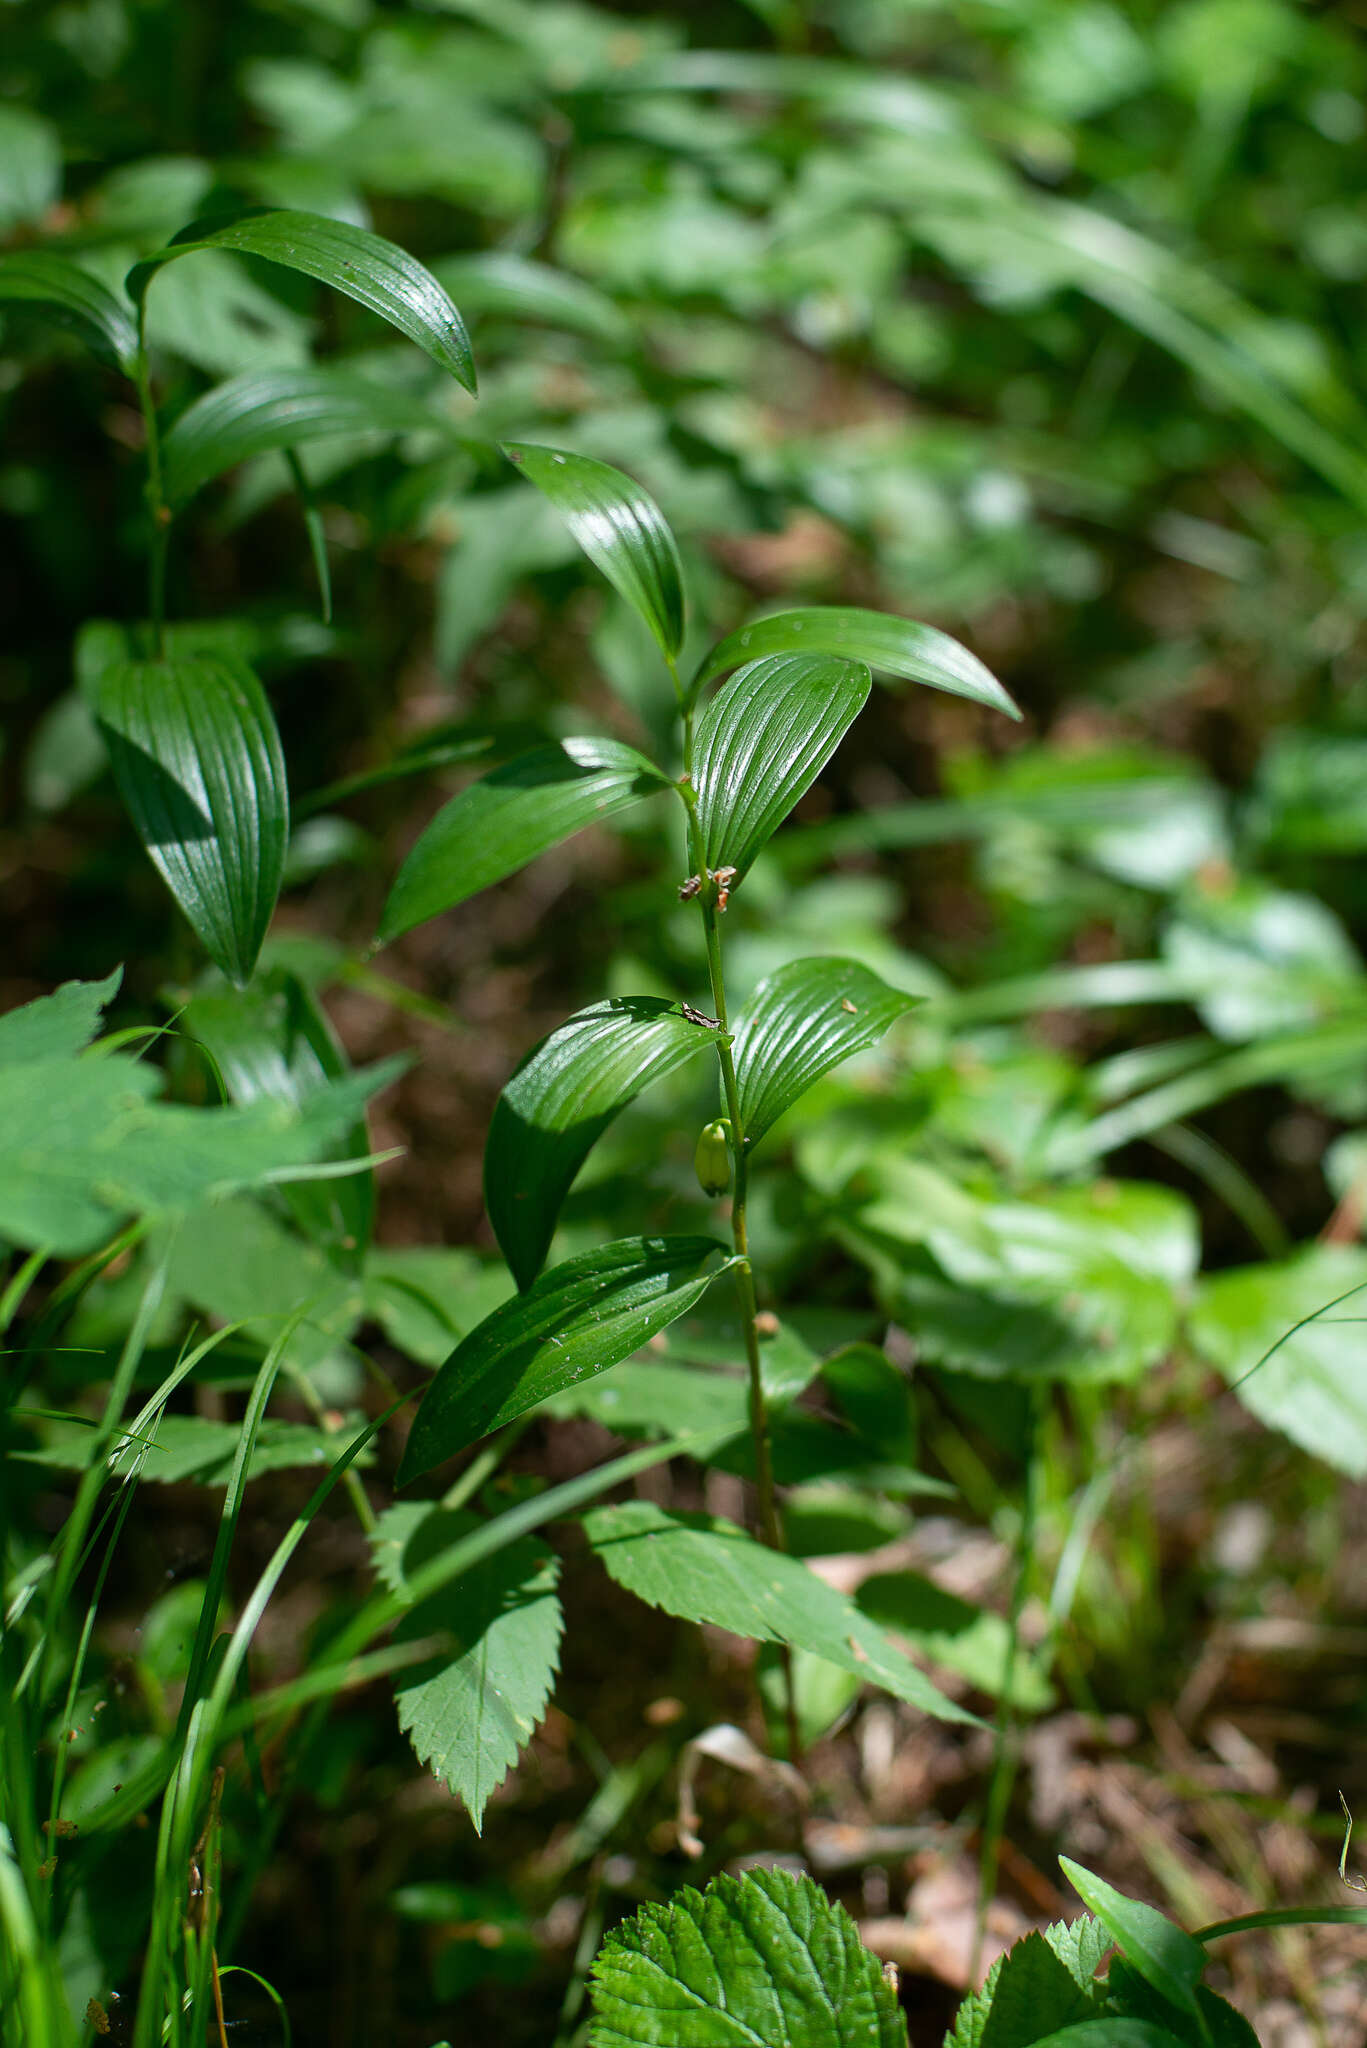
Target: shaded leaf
(56,1026)
(899,647)
(197,759)
(762,741)
(74,300)
(953,1632)
(558,1103)
(577,1320)
(498,825)
(30,166)
(1163,1954)
(500,281)
(799,1023)
(1028,1991)
(1113,2033)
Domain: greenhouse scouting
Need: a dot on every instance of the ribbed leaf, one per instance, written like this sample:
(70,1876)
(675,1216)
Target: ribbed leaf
(577,1320)
(1166,1957)
(279,407)
(899,647)
(762,740)
(197,759)
(801,1021)
(498,825)
(74,300)
(375,272)
(500,281)
(557,1105)
(620,528)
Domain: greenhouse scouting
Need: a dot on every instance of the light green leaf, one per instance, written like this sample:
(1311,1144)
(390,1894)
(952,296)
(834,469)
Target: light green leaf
(1113,2033)
(375,272)
(705,1569)
(1162,1953)
(56,1026)
(73,299)
(426,1297)
(762,741)
(801,1022)
(472,1708)
(620,528)
(281,406)
(955,1634)
(30,166)
(1079,1945)
(577,1320)
(560,1101)
(498,825)
(500,281)
(899,647)
(764,1958)
(197,758)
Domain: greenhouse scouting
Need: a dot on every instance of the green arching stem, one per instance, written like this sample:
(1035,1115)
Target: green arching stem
(158,509)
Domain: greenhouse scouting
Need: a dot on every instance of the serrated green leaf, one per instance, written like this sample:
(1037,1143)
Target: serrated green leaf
(56,1026)
(281,406)
(705,1569)
(1031,1992)
(560,1101)
(577,1320)
(498,825)
(1079,1945)
(74,300)
(1162,1953)
(755,1960)
(375,272)
(197,759)
(799,1023)
(899,647)
(762,741)
(470,1710)
(620,528)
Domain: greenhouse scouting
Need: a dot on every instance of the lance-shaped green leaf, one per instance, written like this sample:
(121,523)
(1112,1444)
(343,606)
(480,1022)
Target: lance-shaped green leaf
(897,647)
(558,1104)
(578,1319)
(376,273)
(802,1020)
(197,759)
(282,406)
(1166,1957)
(74,300)
(705,1569)
(498,825)
(762,740)
(620,528)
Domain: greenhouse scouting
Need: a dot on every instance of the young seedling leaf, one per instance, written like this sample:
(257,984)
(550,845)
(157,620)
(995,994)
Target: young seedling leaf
(281,406)
(800,1022)
(620,528)
(705,1569)
(898,647)
(72,299)
(375,272)
(471,1708)
(560,1101)
(763,740)
(1161,1952)
(498,825)
(764,1958)
(197,759)
(577,1320)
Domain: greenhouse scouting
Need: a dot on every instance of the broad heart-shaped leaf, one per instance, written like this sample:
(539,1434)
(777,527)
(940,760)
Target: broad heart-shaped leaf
(705,1569)
(801,1021)
(558,1104)
(899,647)
(375,272)
(762,740)
(470,1710)
(1162,1953)
(278,407)
(620,528)
(759,1961)
(496,826)
(578,1319)
(197,759)
(73,299)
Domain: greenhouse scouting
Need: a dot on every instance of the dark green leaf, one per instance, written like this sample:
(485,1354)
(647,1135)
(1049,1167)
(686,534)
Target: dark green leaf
(1028,1992)
(1162,1953)
(764,1958)
(73,299)
(56,1026)
(498,825)
(899,647)
(1218,2026)
(197,758)
(763,740)
(620,528)
(800,1022)
(954,1633)
(705,1569)
(577,1320)
(376,273)
(559,1102)
(1114,2033)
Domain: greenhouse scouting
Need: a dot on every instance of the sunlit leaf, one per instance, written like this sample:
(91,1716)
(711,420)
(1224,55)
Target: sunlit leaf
(501,281)
(799,1023)
(56,1026)
(73,299)
(1163,1954)
(898,647)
